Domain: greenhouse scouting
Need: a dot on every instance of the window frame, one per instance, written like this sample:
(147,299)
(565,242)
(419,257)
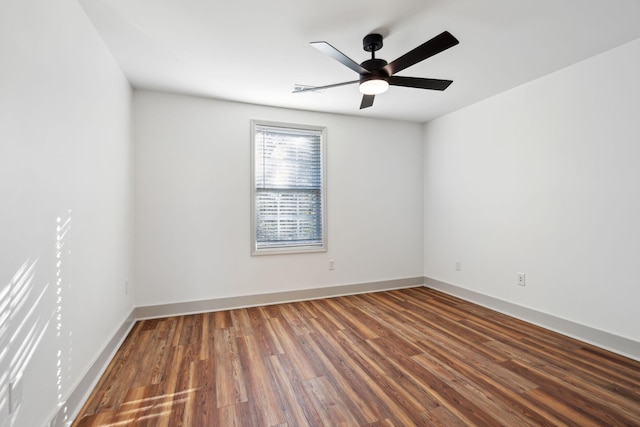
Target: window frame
(289,249)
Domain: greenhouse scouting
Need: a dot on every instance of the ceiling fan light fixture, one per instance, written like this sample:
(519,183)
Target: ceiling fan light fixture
(374,86)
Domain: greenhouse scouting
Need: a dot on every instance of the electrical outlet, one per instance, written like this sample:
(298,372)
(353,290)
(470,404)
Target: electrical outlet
(520,281)
(126,286)
(332,264)
(458,265)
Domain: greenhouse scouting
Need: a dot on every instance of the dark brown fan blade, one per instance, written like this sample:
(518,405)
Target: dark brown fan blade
(367,101)
(434,46)
(419,83)
(314,88)
(326,48)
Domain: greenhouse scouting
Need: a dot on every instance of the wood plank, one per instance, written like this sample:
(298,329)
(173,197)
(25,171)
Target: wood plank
(229,379)
(241,323)
(264,334)
(292,346)
(260,395)
(205,396)
(347,385)
(294,318)
(286,392)
(222,319)
(167,389)
(332,410)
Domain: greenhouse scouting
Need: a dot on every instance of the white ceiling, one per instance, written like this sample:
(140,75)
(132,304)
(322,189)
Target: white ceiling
(255,50)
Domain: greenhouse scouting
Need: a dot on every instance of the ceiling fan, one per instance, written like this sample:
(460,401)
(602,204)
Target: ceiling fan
(376,74)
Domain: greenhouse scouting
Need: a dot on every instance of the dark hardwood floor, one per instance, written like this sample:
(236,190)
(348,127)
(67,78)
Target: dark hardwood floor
(398,358)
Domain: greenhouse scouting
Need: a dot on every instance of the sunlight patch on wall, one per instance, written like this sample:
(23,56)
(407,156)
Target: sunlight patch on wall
(29,308)
(63,363)
(21,330)
(5,312)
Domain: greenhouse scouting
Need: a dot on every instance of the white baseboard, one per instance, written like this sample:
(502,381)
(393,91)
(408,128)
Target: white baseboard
(69,409)
(229,303)
(608,341)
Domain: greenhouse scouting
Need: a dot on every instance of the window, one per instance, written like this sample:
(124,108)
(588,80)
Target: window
(288,188)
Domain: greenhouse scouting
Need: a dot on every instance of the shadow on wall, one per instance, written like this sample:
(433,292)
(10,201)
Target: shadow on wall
(28,310)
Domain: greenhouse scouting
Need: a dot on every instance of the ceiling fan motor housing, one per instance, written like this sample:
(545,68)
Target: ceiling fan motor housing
(375,68)
(372,42)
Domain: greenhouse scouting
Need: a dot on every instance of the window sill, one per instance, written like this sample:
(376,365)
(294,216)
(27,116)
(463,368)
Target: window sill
(289,250)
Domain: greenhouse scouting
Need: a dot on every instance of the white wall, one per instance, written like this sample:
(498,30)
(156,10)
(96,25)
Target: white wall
(192,202)
(64,153)
(544,179)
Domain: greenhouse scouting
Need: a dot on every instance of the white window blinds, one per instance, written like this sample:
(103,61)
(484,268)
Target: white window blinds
(288,188)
